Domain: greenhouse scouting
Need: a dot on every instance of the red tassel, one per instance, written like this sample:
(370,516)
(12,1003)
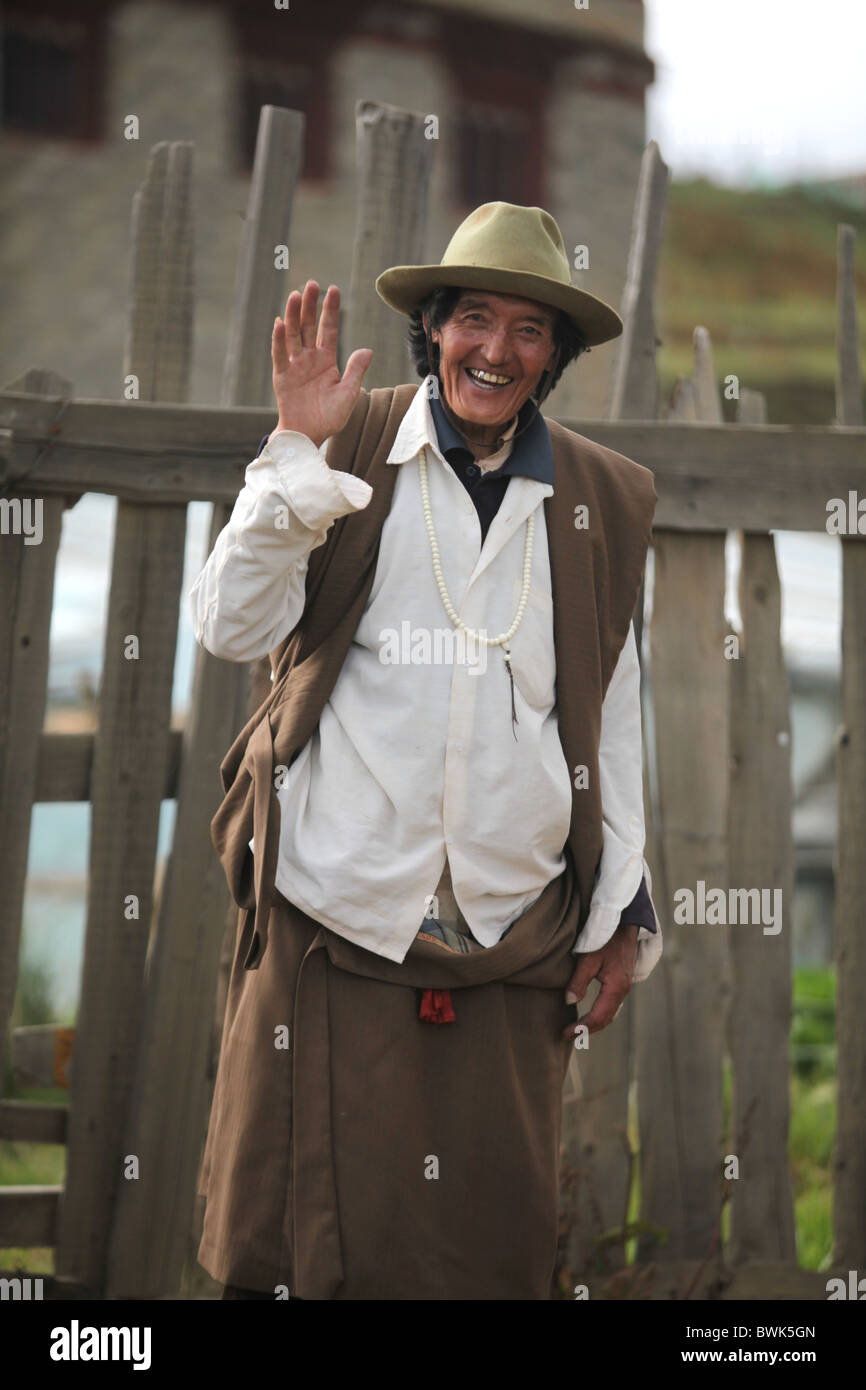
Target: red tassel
(436,1007)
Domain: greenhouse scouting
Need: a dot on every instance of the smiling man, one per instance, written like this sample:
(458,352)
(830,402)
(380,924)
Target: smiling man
(409,847)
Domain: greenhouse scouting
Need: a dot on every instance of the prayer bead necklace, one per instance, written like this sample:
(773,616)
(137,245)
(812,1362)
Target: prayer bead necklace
(504,637)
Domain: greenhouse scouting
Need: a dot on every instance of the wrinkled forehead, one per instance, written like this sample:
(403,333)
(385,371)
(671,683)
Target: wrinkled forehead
(511,304)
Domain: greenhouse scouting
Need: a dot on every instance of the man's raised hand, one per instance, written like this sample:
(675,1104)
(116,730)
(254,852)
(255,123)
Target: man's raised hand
(311,396)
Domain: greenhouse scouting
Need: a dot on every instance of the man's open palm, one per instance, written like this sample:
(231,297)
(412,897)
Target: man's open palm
(311,395)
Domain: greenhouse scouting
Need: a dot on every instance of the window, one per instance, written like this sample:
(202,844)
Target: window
(52,75)
(493,156)
(501,76)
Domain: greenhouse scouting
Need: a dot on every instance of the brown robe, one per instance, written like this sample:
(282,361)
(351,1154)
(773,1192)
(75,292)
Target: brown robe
(381,1156)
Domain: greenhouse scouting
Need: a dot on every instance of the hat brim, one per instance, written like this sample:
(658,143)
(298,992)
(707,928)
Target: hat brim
(403,287)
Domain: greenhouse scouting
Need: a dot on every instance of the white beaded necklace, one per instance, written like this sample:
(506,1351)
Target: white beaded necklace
(504,637)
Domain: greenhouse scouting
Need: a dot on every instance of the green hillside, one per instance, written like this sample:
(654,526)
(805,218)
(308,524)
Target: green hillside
(758,270)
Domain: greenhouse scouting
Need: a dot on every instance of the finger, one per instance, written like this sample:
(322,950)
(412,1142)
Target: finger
(583,976)
(329,323)
(309,301)
(607,1005)
(293,324)
(356,367)
(278,346)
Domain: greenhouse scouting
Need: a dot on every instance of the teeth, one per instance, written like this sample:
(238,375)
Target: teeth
(489,376)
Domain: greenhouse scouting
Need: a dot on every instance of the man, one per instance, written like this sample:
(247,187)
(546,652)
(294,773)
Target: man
(451,832)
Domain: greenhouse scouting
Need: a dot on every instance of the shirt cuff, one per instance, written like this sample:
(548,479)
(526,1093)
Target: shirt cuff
(316,493)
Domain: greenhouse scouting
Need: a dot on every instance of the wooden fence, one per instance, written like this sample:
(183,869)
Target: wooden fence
(141,1062)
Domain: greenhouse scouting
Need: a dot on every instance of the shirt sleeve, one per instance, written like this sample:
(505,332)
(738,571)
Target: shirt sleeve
(252,589)
(640,910)
(623,870)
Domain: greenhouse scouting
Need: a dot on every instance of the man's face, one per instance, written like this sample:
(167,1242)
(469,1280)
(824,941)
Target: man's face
(502,336)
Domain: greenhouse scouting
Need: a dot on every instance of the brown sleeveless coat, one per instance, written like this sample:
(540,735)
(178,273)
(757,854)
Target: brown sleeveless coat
(319,1161)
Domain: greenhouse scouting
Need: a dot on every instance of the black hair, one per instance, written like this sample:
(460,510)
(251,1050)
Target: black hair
(440,304)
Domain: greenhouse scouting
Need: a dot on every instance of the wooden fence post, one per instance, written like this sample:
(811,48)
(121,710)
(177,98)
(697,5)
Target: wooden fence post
(681,1006)
(157,1224)
(598,1168)
(27,583)
(131,745)
(761,855)
(394,165)
(849,1159)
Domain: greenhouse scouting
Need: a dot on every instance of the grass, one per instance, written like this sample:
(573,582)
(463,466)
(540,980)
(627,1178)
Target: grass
(758,270)
(25,1165)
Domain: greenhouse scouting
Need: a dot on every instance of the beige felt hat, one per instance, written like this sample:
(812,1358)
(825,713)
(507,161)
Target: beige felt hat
(507,249)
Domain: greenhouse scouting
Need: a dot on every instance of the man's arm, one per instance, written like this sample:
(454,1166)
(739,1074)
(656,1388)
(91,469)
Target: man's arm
(251,592)
(617,895)
(610,948)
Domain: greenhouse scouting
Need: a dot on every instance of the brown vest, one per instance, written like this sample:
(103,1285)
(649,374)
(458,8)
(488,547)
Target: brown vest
(595,576)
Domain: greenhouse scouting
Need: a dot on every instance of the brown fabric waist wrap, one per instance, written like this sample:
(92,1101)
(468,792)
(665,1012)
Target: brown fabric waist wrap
(311,1151)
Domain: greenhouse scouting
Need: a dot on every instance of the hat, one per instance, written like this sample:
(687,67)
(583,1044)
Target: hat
(506,249)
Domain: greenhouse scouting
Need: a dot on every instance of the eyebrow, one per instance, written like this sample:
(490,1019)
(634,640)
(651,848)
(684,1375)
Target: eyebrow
(471,303)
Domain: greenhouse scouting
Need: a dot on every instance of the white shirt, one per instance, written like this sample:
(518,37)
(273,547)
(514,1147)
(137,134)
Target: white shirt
(413,760)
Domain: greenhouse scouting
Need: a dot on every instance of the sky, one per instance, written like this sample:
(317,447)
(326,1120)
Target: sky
(752,91)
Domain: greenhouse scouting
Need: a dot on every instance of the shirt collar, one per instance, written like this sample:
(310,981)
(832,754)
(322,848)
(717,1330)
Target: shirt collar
(425,422)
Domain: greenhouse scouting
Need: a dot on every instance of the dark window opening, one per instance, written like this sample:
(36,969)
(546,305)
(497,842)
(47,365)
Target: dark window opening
(265,83)
(51,76)
(494,156)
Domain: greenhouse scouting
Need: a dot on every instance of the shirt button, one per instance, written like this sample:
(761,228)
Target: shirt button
(471,470)
(459,747)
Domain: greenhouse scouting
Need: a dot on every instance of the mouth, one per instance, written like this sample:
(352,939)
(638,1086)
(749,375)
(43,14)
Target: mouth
(490,382)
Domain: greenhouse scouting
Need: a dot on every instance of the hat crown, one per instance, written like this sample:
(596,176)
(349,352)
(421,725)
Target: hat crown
(506,236)
(505,248)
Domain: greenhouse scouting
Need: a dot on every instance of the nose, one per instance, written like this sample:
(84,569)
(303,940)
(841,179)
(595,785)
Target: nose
(496,346)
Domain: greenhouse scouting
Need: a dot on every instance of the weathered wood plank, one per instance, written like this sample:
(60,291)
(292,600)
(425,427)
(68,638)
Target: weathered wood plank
(849,1158)
(131,745)
(394,164)
(681,1007)
(31,527)
(155,1226)
(28,1216)
(777,477)
(761,855)
(598,1161)
(259,285)
(32,1122)
(65,765)
(635,386)
(635,391)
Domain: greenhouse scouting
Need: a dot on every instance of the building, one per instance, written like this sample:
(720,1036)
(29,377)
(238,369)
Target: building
(537,104)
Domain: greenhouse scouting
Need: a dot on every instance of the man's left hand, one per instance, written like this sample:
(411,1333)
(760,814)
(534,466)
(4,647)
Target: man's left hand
(613,965)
